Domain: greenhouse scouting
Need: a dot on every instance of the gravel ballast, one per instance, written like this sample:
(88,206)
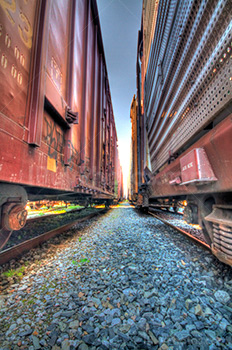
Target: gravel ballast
(129,282)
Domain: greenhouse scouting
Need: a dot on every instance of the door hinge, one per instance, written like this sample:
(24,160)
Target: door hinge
(70,116)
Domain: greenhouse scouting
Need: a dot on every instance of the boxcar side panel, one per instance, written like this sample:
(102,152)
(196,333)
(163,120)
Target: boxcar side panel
(57,57)
(96,123)
(16,36)
(78,92)
(99,125)
(44,149)
(103,129)
(89,93)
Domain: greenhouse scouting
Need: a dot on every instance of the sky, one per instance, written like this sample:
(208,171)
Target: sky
(120,22)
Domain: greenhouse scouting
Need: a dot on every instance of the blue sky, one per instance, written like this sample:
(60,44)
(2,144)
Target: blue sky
(120,21)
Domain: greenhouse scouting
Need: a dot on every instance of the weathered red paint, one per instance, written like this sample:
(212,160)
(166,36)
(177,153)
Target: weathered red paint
(217,145)
(195,167)
(17,23)
(69,132)
(64,66)
(34,113)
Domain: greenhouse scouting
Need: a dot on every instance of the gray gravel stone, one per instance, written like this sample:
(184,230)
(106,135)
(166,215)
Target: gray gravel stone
(196,334)
(211,334)
(208,311)
(198,310)
(53,337)
(26,333)
(144,287)
(199,325)
(83,346)
(115,322)
(153,338)
(142,324)
(224,324)
(36,342)
(67,313)
(222,296)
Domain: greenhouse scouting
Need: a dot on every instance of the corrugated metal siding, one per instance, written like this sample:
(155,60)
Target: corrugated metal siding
(193,83)
(150,9)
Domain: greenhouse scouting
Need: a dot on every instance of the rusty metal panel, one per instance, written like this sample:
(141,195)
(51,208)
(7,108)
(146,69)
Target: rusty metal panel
(42,167)
(195,168)
(115,159)
(107,136)
(112,155)
(217,145)
(79,56)
(104,120)
(90,74)
(64,64)
(95,132)
(192,83)
(76,79)
(35,98)
(57,56)
(69,133)
(99,124)
(108,166)
(83,105)
(16,36)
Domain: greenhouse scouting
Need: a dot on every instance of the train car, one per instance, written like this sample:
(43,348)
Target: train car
(184,87)
(119,189)
(134,166)
(57,132)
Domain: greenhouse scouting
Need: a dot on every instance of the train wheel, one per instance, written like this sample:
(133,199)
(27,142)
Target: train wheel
(206,208)
(221,220)
(191,214)
(13,216)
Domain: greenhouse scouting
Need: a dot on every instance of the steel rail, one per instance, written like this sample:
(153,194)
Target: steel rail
(205,245)
(19,249)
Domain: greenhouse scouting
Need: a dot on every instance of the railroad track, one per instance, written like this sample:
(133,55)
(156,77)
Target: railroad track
(38,218)
(35,226)
(23,247)
(174,221)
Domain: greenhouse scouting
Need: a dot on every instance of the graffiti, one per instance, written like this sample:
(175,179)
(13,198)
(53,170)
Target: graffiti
(85,173)
(54,139)
(64,152)
(73,157)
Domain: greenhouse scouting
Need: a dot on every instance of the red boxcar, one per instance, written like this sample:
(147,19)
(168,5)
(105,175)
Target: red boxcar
(57,129)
